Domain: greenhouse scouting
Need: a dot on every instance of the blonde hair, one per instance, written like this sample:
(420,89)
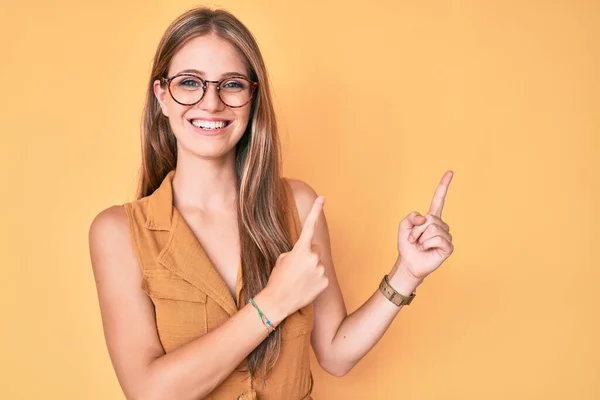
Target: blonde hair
(262,219)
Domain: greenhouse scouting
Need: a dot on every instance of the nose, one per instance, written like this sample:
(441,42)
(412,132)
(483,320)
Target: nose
(211,101)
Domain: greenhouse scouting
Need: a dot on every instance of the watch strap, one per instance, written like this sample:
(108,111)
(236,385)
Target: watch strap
(392,295)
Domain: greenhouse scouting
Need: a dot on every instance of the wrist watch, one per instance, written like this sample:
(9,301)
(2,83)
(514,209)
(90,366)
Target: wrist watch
(392,295)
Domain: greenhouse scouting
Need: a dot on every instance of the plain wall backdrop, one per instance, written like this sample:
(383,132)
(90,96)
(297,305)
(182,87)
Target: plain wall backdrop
(375,101)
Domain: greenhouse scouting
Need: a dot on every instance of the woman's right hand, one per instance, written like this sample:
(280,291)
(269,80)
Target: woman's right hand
(299,276)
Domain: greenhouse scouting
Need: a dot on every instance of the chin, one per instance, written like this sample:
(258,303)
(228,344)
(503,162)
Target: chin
(205,151)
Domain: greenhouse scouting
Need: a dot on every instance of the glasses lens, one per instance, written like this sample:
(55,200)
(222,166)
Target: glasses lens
(186,89)
(236,92)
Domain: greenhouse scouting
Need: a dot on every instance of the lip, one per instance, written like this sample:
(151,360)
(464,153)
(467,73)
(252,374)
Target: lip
(210,132)
(209,119)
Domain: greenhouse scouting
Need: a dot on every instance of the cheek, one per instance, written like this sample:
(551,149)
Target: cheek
(176,120)
(175,114)
(243,118)
(175,110)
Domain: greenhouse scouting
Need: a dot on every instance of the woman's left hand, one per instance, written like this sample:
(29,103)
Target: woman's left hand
(424,242)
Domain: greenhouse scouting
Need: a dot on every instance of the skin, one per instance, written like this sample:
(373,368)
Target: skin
(204,193)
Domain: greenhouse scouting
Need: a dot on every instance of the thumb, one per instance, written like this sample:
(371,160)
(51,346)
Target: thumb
(411,220)
(308,230)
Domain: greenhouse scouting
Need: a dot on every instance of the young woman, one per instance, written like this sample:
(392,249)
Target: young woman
(218,279)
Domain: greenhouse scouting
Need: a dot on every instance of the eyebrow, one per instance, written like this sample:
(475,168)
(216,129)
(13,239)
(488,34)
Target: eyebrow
(201,73)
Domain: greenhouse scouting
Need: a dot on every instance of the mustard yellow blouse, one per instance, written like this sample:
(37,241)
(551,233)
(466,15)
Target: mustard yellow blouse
(191,298)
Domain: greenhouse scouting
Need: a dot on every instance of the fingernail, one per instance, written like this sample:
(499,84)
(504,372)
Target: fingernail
(320,199)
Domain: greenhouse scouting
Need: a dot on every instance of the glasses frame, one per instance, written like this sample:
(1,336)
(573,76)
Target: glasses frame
(253,86)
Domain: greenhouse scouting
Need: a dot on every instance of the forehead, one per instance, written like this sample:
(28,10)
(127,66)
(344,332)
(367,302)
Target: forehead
(210,54)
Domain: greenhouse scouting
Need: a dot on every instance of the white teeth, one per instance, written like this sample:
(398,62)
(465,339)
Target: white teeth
(200,123)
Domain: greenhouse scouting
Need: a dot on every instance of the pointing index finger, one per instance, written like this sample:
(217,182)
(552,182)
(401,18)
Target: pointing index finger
(310,223)
(437,204)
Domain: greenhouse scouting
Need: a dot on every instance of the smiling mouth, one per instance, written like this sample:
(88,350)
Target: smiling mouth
(209,125)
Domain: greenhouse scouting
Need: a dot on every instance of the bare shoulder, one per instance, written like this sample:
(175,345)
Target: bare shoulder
(108,223)
(113,258)
(109,233)
(304,196)
(111,249)
(127,313)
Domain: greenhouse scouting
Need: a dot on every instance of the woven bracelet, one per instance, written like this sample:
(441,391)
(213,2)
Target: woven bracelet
(262,316)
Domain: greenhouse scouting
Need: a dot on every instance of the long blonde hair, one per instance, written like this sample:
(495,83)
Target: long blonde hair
(262,219)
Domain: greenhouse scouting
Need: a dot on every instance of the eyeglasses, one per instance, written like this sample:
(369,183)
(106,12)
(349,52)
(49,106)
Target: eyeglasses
(188,89)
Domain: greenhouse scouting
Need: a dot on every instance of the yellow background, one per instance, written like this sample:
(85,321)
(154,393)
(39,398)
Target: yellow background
(376,100)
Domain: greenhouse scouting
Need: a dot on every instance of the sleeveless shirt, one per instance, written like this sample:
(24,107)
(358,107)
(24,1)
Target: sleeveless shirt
(191,298)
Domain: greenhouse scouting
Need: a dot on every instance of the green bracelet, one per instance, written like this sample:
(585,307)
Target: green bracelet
(262,316)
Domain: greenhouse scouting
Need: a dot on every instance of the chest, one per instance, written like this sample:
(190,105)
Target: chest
(218,236)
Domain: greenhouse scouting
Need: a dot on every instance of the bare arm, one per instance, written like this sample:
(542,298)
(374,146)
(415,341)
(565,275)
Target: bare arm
(338,339)
(142,367)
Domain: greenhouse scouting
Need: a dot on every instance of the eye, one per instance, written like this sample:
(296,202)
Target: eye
(234,85)
(187,82)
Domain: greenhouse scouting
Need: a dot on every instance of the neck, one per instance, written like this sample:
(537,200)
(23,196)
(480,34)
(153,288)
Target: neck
(205,184)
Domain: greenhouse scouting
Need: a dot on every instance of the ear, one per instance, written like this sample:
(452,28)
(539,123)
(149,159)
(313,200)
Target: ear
(161,94)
